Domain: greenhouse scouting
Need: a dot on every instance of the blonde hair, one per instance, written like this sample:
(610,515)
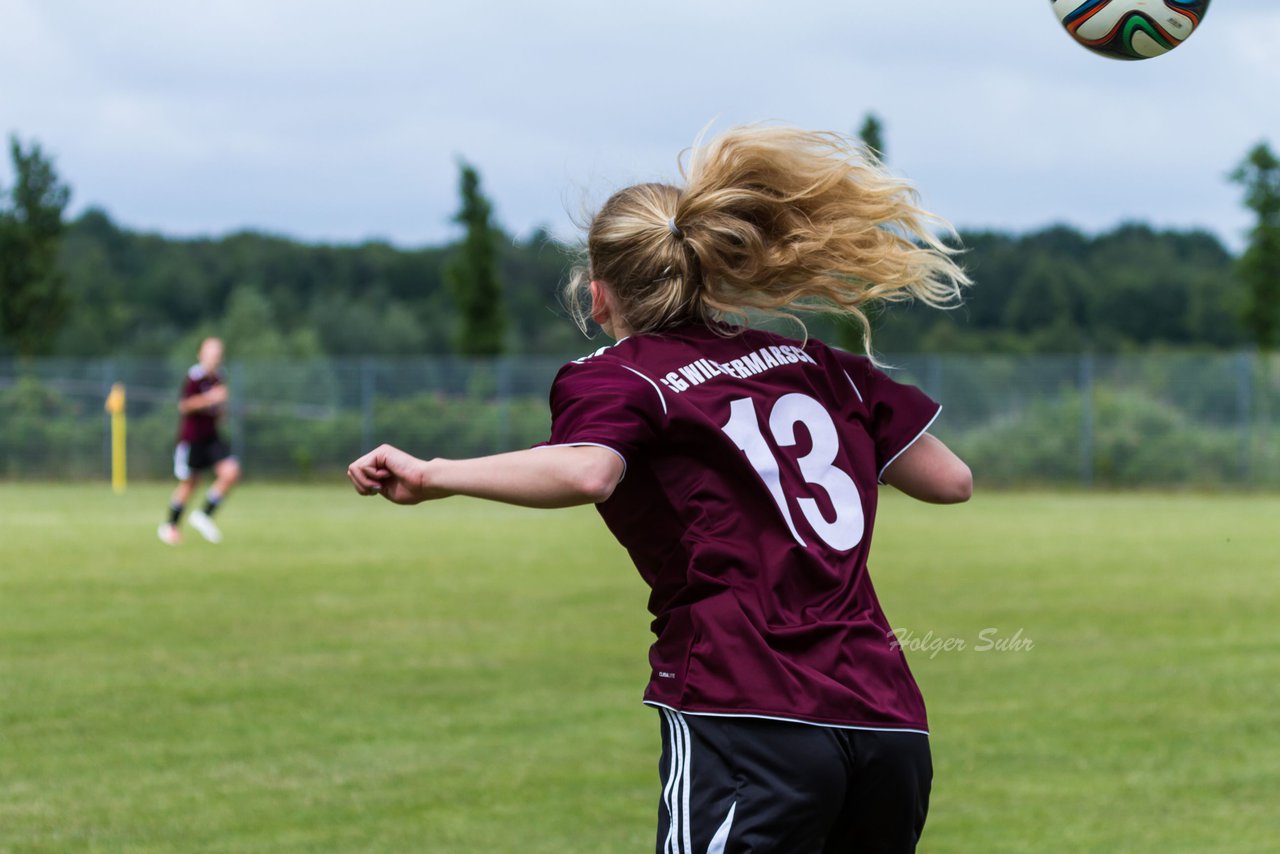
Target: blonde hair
(773,220)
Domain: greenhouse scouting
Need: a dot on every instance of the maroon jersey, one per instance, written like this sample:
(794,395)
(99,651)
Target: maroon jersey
(202,424)
(747,505)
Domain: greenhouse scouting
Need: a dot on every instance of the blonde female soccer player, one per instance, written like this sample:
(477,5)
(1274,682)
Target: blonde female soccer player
(740,469)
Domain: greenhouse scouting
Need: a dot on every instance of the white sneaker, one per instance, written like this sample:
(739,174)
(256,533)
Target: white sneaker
(202,523)
(169,534)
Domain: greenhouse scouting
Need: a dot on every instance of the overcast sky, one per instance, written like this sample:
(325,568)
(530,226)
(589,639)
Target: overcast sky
(344,121)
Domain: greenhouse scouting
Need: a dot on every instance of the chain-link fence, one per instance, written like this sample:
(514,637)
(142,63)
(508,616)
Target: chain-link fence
(1168,419)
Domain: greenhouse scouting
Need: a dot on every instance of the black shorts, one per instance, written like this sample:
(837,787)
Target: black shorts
(736,784)
(191,458)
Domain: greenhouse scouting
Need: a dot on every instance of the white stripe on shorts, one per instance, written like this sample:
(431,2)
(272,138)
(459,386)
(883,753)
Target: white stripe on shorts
(673,774)
(675,793)
(721,839)
(684,781)
(182,461)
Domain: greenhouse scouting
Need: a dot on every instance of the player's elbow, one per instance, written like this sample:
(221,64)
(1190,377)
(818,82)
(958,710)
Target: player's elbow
(956,485)
(595,483)
(596,486)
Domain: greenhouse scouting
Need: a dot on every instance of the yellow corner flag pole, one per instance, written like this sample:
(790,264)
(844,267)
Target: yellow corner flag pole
(115,405)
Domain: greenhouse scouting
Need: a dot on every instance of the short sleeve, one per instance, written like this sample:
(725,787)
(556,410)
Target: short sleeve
(899,413)
(189,388)
(607,404)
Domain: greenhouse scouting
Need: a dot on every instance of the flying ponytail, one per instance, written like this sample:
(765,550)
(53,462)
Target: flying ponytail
(771,220)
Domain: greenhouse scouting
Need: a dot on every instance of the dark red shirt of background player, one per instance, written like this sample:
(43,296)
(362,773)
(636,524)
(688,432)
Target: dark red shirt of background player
(202,424)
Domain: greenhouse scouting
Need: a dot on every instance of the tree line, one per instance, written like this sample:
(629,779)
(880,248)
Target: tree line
(92,287)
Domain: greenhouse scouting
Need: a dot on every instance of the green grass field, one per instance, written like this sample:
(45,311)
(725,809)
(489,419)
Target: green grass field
(343,675)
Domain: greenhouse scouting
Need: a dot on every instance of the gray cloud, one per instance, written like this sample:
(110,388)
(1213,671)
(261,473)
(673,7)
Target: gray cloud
(332,121)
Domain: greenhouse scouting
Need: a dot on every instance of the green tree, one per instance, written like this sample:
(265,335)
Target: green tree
(251,330)
(1259,267)
(472,275)
(872,134)
(33,301)
(1046,300)
(849,333)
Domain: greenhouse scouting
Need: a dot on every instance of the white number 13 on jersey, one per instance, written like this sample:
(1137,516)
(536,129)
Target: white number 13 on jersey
(817,467)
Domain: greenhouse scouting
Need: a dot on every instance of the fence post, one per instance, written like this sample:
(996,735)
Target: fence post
(1244,411)
(235,373)
(504,404)
(933,377)
(368,388)
(1086,419)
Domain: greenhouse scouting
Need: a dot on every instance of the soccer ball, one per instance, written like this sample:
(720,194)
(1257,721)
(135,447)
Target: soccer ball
(1130,29)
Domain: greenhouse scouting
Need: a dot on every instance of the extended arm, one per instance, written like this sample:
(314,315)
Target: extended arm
(557,476)
(196,402)
(929,471)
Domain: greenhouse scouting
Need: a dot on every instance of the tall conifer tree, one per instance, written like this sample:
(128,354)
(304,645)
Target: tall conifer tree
(472,275)
(33,300)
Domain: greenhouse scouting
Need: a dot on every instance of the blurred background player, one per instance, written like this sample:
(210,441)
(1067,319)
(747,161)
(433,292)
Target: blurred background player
(200,447)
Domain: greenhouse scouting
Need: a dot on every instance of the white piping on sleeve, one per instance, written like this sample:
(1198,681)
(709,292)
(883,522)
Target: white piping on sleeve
(925,429)
(662,399)
(855,385)
(592,445)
